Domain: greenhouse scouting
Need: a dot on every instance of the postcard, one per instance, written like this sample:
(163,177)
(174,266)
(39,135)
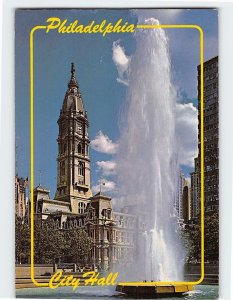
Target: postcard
(117,156)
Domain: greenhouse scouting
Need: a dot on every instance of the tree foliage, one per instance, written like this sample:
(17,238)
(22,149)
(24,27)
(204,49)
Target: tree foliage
(22,240)
(52,243)
(78,245)
(192,240)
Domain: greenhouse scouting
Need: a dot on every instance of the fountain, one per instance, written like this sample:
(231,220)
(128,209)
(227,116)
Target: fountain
(147,159)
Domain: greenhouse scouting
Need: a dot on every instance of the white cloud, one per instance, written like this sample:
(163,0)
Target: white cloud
(187,133)
(103,144)
(121,60)
(107,167)
(107,186)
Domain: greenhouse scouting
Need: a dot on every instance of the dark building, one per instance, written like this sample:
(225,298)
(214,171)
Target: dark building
(211,150)
(20,196)
(186,204)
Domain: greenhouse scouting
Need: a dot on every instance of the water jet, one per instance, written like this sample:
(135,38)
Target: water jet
(147,160)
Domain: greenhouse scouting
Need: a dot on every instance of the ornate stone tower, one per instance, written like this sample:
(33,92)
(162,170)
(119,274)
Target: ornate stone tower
(73,162)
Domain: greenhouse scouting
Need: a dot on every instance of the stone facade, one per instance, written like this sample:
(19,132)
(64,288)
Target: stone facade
(73,161)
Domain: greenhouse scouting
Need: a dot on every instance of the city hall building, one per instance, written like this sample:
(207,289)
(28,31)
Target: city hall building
(113,233)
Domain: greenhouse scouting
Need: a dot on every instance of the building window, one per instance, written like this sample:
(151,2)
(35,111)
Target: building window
(117,236)
(81,169)
(108,236)
(79,148)
(81,208)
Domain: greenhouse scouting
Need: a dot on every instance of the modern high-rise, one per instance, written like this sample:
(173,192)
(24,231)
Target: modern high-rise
(211,147)
(179,196)
(195,205)
(186,207)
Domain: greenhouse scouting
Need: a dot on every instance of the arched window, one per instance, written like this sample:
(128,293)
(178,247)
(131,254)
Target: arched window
(75,223)
(57,224)
(109,213)
(81,169)
(71,224)
(79,148)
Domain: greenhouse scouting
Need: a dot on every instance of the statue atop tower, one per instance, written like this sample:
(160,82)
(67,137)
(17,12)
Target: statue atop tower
(73,160)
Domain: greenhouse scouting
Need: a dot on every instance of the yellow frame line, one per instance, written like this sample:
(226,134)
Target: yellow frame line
(202,154)
(32,151)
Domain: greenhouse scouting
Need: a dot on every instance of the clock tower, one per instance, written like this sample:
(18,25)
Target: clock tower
(73,160)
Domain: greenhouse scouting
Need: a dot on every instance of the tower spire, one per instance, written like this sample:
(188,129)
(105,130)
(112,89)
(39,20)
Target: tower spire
(73,82)
(72,70)
(73,161)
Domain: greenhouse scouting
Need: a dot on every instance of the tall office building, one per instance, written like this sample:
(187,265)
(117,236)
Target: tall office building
(179,196)
(211,150)
(195,205)
(186,207)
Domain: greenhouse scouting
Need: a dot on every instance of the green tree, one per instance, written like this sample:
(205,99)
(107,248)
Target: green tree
(212,237)
(192,239)
(51,242)
(78,245)
(22,240)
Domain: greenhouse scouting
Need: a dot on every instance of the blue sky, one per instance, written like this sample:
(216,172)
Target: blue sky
(97,74)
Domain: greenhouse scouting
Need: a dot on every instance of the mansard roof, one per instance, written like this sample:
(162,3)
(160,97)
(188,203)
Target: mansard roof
(101,195)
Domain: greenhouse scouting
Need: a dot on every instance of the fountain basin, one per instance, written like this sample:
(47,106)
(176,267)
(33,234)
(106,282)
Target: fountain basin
(152,290)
